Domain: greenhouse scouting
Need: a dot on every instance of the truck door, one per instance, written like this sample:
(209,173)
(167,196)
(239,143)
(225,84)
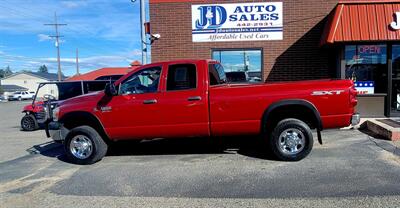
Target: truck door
(135,112)
(184,103)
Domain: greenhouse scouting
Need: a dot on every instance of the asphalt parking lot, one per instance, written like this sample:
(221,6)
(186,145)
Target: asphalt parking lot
(351,169)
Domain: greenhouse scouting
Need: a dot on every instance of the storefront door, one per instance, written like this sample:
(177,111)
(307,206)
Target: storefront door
(395,82)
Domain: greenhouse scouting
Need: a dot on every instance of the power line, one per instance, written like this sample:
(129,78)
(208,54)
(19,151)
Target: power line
(92,48)
(57,36)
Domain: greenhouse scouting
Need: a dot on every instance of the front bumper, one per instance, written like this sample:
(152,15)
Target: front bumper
(355,119)
(56,131)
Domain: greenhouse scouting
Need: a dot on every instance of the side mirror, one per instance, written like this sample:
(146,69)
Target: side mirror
(110,90)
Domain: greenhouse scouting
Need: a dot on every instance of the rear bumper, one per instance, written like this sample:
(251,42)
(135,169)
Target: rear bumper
(355,119)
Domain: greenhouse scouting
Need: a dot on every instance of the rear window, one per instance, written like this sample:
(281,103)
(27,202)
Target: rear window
(216,74)
(181,77)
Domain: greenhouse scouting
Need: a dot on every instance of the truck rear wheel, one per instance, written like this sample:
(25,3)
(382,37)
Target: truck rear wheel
(291,140)
(83,145)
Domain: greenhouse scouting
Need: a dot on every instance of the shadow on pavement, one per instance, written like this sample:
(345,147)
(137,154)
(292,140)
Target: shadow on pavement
(247,146)
(48,149)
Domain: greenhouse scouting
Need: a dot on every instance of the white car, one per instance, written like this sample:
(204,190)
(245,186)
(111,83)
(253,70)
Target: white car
(21,96)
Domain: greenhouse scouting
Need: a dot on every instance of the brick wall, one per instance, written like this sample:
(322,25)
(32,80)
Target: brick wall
(298,56)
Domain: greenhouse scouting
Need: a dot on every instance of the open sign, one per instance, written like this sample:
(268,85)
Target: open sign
(369,49)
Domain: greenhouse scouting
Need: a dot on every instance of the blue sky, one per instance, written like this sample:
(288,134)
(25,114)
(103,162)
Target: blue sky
(106,32)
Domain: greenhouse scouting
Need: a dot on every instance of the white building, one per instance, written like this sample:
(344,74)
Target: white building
(30,81)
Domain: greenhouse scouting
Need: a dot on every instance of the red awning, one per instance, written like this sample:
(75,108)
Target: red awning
(362,21)
(93,75)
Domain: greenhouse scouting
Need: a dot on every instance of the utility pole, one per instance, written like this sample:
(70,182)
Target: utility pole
(142,31)
(57,36)
(77,62)
(143,34)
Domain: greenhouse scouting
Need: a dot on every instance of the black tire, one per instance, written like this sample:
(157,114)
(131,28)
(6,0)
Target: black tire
(29,123)
(99,147)
(291,125)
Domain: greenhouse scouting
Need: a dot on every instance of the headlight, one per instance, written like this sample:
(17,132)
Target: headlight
(56,112)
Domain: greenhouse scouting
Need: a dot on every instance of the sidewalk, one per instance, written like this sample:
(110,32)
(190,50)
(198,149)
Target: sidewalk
(384,132)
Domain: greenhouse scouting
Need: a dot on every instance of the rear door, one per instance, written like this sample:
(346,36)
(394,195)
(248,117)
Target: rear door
(184,102)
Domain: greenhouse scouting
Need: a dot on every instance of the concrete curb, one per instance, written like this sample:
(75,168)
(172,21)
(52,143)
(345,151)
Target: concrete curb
(383,130)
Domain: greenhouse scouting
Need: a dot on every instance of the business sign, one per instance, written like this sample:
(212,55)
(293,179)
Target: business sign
(395,25)
(364,87)
(237,22)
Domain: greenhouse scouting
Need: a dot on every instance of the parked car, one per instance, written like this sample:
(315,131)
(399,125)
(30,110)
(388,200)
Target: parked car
(34,113)
(3,98)
(191,98)
(21,95)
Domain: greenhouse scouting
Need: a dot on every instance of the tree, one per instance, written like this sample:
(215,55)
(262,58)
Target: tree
(7,71)
(43,69)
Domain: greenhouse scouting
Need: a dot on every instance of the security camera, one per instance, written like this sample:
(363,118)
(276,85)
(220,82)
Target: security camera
(154,37)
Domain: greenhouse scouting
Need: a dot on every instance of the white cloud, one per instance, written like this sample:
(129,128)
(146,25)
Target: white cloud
(136,52)
(67,64)
(43,37)
(74,4)
(96,18)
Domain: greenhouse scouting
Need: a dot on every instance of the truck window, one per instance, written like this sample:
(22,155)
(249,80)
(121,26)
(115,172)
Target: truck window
(181,77)
(216,74)
(144,81)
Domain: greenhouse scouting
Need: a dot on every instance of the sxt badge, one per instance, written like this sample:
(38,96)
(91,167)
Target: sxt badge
(332,92)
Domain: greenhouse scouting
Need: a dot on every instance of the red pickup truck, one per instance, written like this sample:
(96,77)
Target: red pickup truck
(190,98)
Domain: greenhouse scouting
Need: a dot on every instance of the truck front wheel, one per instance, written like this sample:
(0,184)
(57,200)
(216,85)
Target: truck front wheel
(291,140)
(83,145)
(29,123)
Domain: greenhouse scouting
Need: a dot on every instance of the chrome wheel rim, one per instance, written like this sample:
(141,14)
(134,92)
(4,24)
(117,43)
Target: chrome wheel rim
(291,141)
(81,146)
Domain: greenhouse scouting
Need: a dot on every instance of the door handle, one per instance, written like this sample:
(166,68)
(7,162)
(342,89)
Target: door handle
(194,98)
(153,101)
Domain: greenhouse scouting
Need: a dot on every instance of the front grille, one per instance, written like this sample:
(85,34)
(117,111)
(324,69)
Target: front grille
(41,116)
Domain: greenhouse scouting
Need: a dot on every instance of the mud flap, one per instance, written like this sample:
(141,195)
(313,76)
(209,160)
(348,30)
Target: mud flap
(46,128)
(319,136)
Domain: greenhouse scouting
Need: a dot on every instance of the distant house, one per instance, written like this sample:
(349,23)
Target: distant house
(28,81)
(108,73)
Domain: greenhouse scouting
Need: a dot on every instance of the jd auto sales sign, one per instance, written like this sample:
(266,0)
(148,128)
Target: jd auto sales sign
(237,22)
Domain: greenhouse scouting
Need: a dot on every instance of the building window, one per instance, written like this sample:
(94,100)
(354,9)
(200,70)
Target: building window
(242,65)
(366,66)
(25,82)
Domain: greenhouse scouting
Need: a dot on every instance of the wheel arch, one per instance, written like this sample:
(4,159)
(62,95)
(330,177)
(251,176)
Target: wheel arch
(290,106)
(80,118)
